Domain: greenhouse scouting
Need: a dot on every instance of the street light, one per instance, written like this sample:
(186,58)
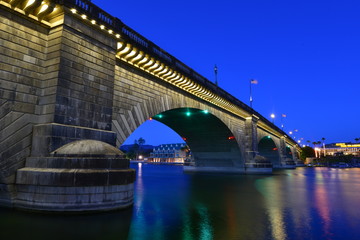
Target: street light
(273,117)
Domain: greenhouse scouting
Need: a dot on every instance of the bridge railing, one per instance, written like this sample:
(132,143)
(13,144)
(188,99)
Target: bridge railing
(136,39)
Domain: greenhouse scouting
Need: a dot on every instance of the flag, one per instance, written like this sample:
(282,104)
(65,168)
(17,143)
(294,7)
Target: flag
(254,81)
(283,115)
(215,69)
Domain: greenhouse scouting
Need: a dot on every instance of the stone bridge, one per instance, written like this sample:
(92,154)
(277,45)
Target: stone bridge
(70,72)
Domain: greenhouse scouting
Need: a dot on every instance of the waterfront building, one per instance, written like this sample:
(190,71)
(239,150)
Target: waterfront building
(335,149)
(175,152)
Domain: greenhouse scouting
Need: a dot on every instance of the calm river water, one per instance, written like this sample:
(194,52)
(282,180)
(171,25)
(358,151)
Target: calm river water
(306,203)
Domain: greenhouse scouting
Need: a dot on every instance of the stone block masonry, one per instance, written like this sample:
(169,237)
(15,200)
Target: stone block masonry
(56,86)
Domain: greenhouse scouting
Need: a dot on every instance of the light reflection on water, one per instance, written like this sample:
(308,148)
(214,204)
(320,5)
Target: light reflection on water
(306,203)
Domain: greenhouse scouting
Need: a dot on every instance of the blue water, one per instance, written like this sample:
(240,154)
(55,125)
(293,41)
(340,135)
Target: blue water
(306,203)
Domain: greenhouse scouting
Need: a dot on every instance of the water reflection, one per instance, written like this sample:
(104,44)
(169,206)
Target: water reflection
(271,190)
(25,225)
(316,203)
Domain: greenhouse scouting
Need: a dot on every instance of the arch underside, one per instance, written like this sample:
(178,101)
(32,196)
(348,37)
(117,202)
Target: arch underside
(288,152)
(268,149)
(211,142)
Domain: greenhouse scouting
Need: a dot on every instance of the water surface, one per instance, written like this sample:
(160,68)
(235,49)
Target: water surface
(306,203)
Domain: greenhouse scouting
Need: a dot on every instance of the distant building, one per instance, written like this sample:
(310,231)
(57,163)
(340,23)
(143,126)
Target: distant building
(335,149)
(175,152)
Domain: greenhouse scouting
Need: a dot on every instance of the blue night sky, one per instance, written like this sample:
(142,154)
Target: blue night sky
(304,54)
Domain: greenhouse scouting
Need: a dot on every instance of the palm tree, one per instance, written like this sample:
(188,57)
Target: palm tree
(140,142)
(323,142)
(357,139)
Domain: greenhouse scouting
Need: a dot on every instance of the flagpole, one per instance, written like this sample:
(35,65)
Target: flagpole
(282,124)
(215,70)
(250,94)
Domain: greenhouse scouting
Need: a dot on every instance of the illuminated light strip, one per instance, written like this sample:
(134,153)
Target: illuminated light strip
(149,63)
(145,60)
(138,58)
(269,130)
(154,66)
(179,80)
(185,83)
(125,51)
(160,69)
(168,75)
(35,9)
(30,2)
(133,54)
(195,87)
(31,5)
(165,72)
(173,77)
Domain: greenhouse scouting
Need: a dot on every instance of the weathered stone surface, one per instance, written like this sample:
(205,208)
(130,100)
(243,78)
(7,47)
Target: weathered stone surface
(88,148)
(49,137)
(79,177)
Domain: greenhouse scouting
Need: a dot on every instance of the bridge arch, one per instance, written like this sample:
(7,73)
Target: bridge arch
(139,97)
(268,149)
(212,143)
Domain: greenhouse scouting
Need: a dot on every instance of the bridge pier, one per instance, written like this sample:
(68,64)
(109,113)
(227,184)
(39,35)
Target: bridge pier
(287,161)
(81,176)
(254,163)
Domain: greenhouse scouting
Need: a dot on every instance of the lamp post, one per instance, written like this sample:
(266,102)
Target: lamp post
(273,117)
